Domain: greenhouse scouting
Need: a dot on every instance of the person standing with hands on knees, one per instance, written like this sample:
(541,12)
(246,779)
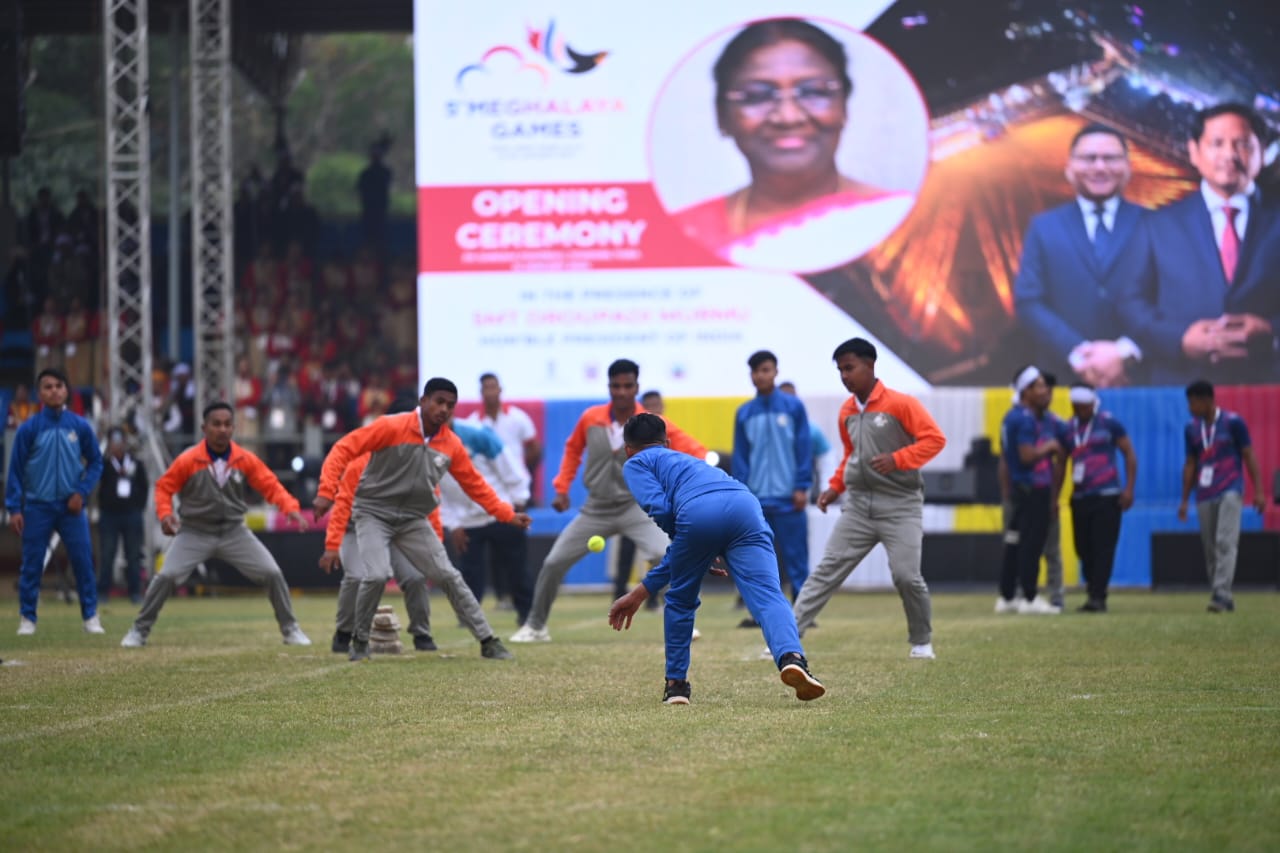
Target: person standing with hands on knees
(707,514)
(1218,449)
(54,468)
(212,480)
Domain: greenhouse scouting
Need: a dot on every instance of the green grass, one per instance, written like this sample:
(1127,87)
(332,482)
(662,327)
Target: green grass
(1155,727)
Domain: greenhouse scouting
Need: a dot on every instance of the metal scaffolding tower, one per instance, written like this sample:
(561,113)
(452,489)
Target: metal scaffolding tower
(211,209)
(128,211)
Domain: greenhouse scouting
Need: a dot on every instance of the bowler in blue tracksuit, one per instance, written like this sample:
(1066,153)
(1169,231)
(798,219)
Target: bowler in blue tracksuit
(707,514)
(54,468)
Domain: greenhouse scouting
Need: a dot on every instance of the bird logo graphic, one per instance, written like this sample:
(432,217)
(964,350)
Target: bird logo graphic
(548,50)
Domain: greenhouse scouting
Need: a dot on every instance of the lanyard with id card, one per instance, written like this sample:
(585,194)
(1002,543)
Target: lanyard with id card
(1206,470)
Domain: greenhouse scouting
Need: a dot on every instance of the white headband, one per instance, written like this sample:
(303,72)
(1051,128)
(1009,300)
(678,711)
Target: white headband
(1084,396)
(1025,379)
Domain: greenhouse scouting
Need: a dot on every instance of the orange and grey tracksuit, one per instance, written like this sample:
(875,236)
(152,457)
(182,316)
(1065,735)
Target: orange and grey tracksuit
(211,490)
(879,508)
(340,536)
(610,508)
(392,499)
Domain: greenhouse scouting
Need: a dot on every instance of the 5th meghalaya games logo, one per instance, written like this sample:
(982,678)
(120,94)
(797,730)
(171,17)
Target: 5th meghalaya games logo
(544,51)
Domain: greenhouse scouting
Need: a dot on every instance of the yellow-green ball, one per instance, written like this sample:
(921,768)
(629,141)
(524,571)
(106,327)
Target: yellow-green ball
(595,543)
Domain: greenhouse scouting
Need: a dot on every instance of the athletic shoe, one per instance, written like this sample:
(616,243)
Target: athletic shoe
(795,674)
(359,651)
(922,652)
(26,627)
(676,692)
(93,625)
(293,636)
(341,642)
(424,643)
(493,649)
(1216,605)
(766,654)
(1092,606)
(1058,602)
(1006,605)
(135,639)
(696,635)
(1037,607)
(748,623)
(530,634)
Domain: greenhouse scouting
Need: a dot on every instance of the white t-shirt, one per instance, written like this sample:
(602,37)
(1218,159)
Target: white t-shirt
(513,425)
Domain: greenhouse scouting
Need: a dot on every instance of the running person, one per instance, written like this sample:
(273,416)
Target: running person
(610,508)
(708,514)
(211,480)
(409,453)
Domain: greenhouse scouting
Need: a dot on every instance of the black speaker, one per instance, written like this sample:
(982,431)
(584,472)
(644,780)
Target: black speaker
(951,487)
(13,112)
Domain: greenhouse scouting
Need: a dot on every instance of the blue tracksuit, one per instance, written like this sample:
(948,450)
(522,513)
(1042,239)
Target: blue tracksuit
(55,455)
(708,514)
(773,456)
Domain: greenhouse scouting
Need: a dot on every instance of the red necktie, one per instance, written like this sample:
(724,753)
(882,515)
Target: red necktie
(1230,250)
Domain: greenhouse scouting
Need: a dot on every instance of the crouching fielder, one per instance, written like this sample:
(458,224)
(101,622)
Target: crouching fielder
(707,514)
(887,436)
(210,480)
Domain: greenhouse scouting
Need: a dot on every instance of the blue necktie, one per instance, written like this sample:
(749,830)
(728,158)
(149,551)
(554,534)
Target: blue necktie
(1101,234)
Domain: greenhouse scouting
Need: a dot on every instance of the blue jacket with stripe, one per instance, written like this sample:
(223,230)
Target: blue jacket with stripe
(55,455)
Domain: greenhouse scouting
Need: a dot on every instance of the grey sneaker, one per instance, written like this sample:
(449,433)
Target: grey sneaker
(359,651)
(293,636)
(493,649)
(135,639)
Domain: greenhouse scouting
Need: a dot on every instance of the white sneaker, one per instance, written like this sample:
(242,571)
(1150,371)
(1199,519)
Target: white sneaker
(26,627)
(294,637)
(1037,607)
(93,626)
(697,635)
(133,639)
(766,654)
(924,652)
(1006,605)
(529,634)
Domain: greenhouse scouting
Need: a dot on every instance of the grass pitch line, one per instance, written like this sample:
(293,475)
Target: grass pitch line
(69,726)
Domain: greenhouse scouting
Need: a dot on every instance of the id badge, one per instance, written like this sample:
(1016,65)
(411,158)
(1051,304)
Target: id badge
(1077,472)
(124,488)
(1206,476)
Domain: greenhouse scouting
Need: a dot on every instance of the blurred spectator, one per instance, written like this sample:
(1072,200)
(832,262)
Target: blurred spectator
(296,221)
(248,394)
(281,405)
(43,225)
(296,271)
(68,276)
(249,217)
(79,330)
(374,186)
(20,301)
(83,225)
(366,275)
(652,402)
(261,279)
(122,498)
(21,406)
(46,334)
(375,398)
(511,424)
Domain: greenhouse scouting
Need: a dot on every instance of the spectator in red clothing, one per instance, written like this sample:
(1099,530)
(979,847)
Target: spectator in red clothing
(248,393)
(366,274)
(261,278)
(335,281)
(78,330)
(296,272)
(351,330)
(375,398)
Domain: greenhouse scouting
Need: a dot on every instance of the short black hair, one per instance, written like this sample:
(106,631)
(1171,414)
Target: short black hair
(55,372)
(484,377)
(1201,389)
(1234,108)
(1095,127)
(649,395)
(439,383)
(624,365)
(643,429)
(1050,379)
(759,357)
(769,32)
(215,406)
(861,347)
(401,403)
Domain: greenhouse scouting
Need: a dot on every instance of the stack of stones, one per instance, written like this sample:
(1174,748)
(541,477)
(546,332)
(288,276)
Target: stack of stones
(384,637)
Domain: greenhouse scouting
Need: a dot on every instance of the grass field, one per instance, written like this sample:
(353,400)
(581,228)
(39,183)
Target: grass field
(1155,727)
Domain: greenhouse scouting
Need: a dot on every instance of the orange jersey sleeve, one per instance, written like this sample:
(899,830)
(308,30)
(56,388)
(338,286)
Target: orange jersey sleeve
(383,432)
(836,483)
(921,426)
(340,516)
(264,481)
(172,480)
(475,486)
(573,450)
(683,442)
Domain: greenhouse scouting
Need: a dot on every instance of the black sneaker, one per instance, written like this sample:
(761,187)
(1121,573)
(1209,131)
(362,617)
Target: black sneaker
(748,623)
(677,692)
(424,643)
(493,649)
(341,642)
(1093,605)
(359,651)
(794,671)
(1217,605)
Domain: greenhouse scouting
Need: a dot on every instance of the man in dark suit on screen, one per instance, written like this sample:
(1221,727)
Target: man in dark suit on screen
(1208,302)
(1075,259)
